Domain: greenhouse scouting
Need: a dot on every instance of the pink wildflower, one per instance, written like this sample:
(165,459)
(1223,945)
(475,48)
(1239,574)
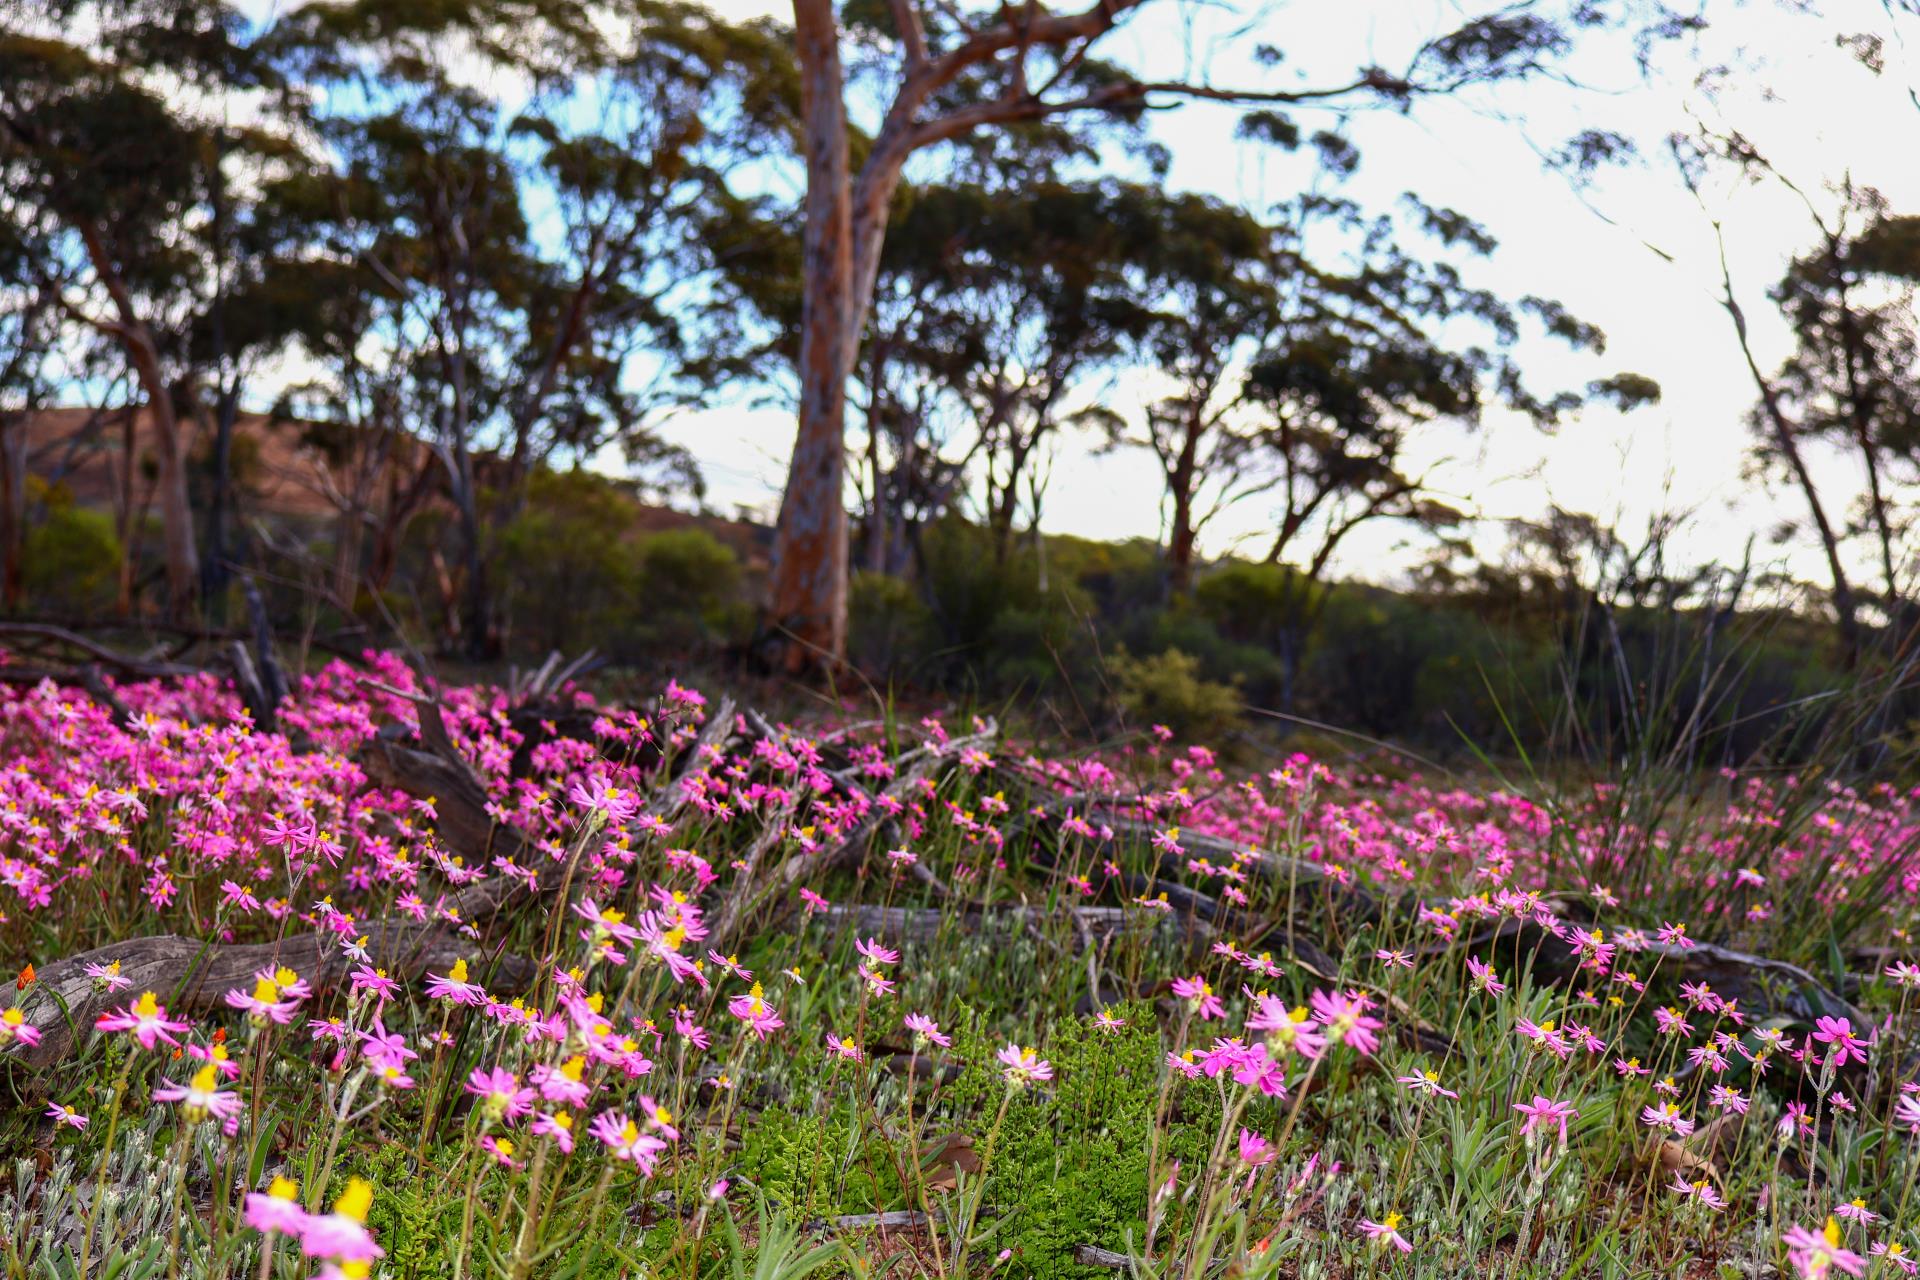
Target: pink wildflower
(1021,1066)
(1386,1232)
(1545,1111)
(145,1019)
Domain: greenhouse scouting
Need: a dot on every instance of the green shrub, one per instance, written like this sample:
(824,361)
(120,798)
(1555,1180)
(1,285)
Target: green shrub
(566,574)
(1167,688)
(1254,668)
(572,575)
(997,628)
(890,630)
(1257,603)
(72,556)
(687,590)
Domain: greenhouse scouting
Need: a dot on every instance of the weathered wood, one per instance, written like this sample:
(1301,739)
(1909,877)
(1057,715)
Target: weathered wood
(920,764)
(1761,984)
(460,802)
(464,825)
(909,924)
(193,977)
(1092,1255)
(861,1221)
(809,587)
(127,666)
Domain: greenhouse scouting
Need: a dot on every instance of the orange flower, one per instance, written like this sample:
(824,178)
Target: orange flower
(27,975)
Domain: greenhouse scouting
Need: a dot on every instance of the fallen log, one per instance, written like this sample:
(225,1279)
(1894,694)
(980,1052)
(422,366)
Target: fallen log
(1092,1255)
(460,805)
(922,763)
(910,924)
(1760,983)
(459,801)
(129,667)
(748,898)
(192,977)
(1352,900)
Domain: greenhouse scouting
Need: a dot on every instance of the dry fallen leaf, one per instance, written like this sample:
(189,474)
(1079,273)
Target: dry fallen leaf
(946,1158)
(1694,1157)
(1677,1158)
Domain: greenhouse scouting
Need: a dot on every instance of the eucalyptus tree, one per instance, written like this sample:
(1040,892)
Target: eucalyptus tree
(540,265)
(1302,352)
(1303,357)
(1852,379)
(29,335)
(1849,382)
(117,137)
(951,72)
(1003,308)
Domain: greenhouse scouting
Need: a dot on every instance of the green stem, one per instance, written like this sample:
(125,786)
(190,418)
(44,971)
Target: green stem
(100,1175)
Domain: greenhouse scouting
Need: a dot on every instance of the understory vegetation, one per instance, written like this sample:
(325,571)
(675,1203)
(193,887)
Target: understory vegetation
(1549,649)
(443,980)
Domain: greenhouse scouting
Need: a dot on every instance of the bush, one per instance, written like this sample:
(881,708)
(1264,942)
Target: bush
(1166,688)
(996,629)
(890,630)
(567,577)
(72,556)
(1396,666)
(686,592)
(1257,604)
(573,575)
(1256,669)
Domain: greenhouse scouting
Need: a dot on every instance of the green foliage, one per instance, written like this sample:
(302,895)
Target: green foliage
(687,590)
(416,1219)
(816,1164)
(1073,1154)
(1389,664)
(1002,628)
(1505,662)
(888,624)
(1166,688)
(778,1249)
(1256,603)
(579,576)
(566,555)
(72,555)
(1077,1163)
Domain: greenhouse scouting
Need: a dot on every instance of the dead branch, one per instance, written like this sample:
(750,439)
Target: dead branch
(1761,984)
(127,666)
(1095,924)
(460,801)
(1092,1255)
(920,764)
(194,977)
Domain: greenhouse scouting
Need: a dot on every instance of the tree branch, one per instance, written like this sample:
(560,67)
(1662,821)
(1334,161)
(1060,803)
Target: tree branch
(1130,93)
(913,37)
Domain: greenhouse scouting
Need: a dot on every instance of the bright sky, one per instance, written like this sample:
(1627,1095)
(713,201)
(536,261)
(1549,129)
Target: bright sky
(1662,318)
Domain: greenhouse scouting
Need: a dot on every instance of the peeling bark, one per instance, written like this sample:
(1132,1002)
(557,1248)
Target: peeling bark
(809,588)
